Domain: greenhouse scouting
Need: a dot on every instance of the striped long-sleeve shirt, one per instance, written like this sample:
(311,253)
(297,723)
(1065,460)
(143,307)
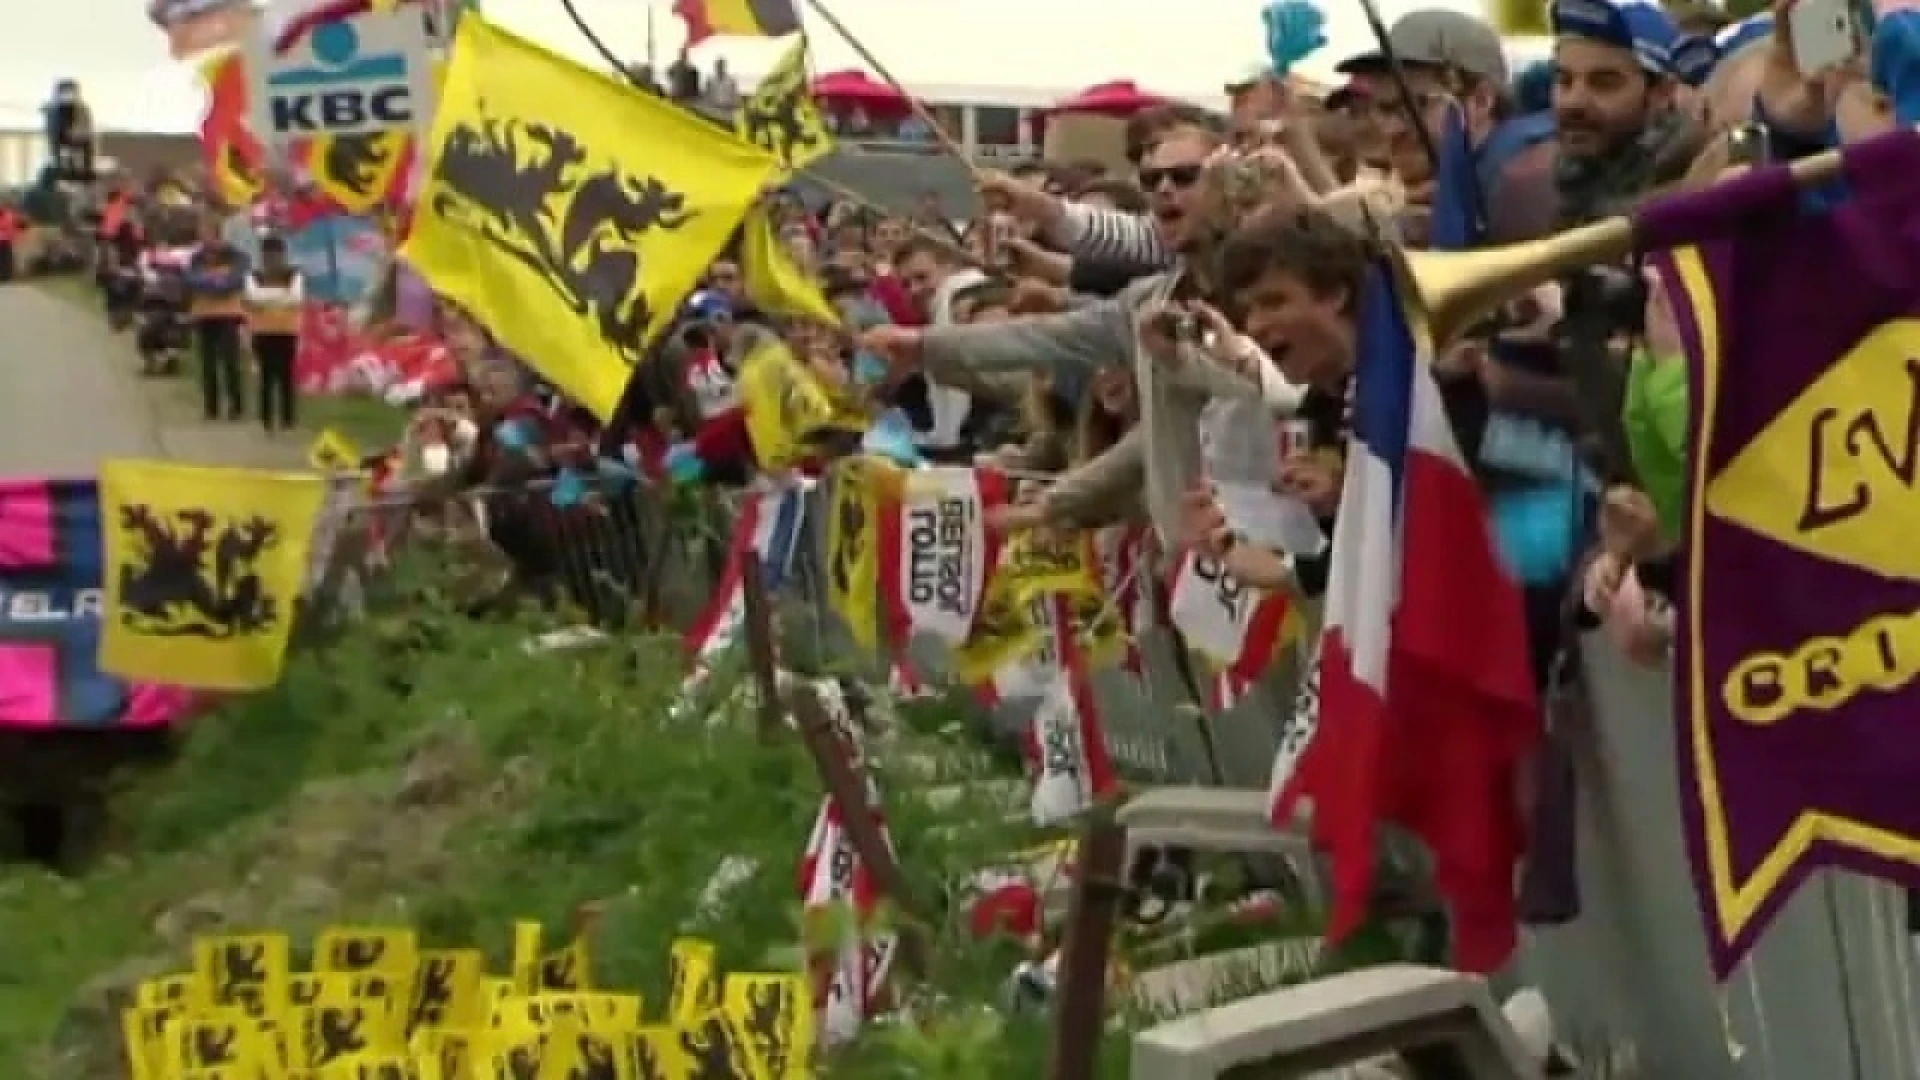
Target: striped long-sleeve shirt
(1128,244)
(1113,238)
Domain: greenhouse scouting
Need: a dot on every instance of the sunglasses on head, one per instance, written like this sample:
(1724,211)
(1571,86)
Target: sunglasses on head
(1180,176)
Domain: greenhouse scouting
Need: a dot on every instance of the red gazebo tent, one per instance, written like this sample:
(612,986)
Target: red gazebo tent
(855,89)
(1118,98)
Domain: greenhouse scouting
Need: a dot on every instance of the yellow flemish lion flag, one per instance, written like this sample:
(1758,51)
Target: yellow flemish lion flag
(774,282)
(780,116)
(331,451)
(774,1016)
(853,544)
(203,569)
(1005,630)
(572,232)
(788,408)
(1040,562)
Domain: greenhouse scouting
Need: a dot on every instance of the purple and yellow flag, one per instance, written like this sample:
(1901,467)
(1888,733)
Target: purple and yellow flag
(1799,638)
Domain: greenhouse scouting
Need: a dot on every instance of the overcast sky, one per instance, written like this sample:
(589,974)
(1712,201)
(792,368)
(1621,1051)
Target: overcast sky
(1039,45)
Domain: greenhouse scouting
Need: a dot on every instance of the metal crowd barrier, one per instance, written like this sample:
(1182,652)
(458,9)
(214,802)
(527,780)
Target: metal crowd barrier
(626,555)
(1833,990)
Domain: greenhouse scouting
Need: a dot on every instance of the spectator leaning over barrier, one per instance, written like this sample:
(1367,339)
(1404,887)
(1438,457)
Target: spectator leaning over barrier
(511,453)
(705,358)
(938,412)
(1297,275)
(1128,330)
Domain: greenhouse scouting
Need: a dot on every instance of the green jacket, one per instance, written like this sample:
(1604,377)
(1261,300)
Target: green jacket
(1654,413)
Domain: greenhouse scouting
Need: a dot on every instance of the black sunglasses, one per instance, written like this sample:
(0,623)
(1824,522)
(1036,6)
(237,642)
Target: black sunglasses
(1180,176)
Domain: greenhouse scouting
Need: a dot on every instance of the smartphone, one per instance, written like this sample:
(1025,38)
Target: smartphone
(1826,34)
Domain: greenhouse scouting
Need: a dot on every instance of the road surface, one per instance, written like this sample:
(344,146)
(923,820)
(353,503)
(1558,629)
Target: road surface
(69,398)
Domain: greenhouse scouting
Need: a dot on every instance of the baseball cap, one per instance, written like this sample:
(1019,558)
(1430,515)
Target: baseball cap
(1736,36)
(1896,62)
(708,305)
(1438,37)
(1693,58)
(1640,26)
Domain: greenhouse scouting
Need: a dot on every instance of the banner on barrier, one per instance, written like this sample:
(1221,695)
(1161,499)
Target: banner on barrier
(1799,640)
(51,597)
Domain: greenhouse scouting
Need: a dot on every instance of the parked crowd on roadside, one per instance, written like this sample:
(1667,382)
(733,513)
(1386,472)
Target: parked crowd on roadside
(1146,338)
(1640,99)
(1136,341)
(1235,202)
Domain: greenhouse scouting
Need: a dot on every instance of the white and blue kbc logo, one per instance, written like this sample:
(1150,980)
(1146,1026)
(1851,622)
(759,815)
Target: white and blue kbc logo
(346,89)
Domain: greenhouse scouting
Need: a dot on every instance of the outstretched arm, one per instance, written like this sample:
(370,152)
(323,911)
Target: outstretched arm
(1073,342)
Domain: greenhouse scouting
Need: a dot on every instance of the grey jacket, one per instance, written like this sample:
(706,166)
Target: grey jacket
(1164,448)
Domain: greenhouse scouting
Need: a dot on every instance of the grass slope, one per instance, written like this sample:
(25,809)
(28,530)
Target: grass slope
(427,771)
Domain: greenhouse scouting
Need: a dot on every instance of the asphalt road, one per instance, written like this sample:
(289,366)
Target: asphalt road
(71,397)
(68,397)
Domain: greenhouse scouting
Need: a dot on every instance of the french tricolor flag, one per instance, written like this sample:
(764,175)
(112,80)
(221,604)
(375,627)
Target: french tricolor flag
(1427,707)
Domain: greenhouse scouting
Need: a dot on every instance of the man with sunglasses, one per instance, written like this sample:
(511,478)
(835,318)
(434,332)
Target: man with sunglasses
(1127,331)
(1110,242)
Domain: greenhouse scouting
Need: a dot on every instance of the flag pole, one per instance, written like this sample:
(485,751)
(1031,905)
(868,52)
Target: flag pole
(653,42)
(827,183)
(940,134)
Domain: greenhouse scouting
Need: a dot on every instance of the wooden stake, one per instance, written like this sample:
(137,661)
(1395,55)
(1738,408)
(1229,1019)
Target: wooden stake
(586,916)
(848,788)
(760,651)
(838,774)
(1080,994)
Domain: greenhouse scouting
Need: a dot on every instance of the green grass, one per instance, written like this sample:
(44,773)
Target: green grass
(423,769)
(372,424)
(564,781)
